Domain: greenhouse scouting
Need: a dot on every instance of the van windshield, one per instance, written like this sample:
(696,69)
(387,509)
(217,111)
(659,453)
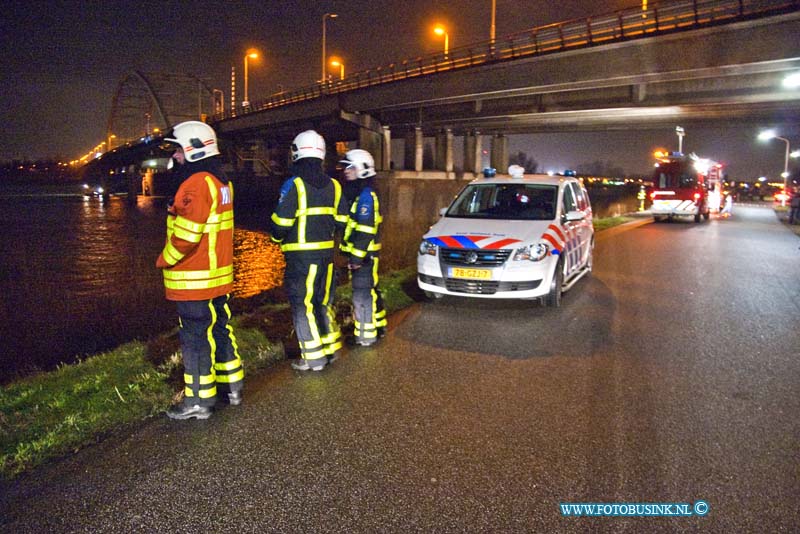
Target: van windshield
(522,202)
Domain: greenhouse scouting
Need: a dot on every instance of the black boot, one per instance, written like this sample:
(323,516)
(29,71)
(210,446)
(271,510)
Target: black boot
(182,411)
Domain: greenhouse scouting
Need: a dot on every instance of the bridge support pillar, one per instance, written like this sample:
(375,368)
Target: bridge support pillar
(414,150)
(472,152)
(444,150)
(499,153)
(385,163)
(372,142)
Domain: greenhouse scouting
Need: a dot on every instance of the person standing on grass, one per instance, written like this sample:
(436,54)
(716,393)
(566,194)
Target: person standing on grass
(361,244)
(310,210)
(197,264)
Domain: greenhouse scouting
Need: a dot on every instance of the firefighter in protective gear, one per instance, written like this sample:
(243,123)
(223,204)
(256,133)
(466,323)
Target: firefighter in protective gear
(197,264)
(310,209)
(361,244)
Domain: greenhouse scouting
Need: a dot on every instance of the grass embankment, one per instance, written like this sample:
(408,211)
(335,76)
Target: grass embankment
(54,413)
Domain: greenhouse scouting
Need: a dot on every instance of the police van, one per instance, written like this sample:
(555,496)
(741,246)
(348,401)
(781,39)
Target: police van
(523,237)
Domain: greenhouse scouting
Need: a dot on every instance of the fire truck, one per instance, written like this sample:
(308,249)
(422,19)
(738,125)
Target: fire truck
(685,186)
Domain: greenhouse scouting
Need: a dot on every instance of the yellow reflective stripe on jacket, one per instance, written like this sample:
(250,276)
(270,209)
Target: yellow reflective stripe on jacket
(198,275)
(337,196)
(366,229)
(352,225)
(171,254)
(189,225)
(198,284)
(301,218)
(316,211)
(219,222)
(212,236)
(320,245)
(281,221)
(302,206)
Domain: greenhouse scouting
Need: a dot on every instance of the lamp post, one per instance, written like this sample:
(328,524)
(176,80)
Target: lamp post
(492,27)
(325,17)
(336,62)
(679,130)
(441,30)
(251,54)
(766,136)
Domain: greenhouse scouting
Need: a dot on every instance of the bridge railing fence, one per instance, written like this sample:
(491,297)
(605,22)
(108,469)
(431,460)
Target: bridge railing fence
(618,26)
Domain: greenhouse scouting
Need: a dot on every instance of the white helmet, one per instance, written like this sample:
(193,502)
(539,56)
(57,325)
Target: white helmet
(308,144)
(516,171)
(197,139)
(360,160)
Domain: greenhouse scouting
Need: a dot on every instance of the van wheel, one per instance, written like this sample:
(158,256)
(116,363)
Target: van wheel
(553,298)
(657,218)
(706,215)
(697,217)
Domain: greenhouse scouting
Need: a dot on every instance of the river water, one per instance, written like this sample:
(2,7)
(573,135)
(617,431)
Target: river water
(77,276)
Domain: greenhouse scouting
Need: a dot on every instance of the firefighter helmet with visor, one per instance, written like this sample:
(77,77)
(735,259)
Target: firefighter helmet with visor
(197,139)
(361,162)
(308,144)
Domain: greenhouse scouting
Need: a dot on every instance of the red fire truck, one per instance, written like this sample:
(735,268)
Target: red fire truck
(685,186)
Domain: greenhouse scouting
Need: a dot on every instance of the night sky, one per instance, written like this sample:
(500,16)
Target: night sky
(61,62)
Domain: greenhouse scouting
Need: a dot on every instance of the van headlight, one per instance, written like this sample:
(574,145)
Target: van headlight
(535,252)
(426,247)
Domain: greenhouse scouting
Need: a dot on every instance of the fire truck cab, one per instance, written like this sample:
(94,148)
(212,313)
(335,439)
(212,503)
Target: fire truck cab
(683,186)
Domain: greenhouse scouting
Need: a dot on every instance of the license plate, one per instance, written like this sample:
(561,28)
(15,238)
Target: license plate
(474,274)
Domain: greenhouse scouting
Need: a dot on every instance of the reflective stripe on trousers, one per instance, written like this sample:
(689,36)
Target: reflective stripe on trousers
(210,353)
(310,286)
(369,313)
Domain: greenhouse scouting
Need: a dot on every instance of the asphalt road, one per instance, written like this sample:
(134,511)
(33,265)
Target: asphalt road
(668,376)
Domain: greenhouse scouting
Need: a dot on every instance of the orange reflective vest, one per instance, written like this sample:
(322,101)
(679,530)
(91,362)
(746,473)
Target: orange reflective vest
(197,259)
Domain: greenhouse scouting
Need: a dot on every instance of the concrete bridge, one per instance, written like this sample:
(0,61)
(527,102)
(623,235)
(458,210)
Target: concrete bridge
(693,62)
(686,62)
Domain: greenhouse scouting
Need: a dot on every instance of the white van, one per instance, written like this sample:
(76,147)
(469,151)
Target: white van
(523,238)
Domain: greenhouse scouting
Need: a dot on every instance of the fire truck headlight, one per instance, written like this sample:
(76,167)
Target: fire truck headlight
(535,252)
(426,247)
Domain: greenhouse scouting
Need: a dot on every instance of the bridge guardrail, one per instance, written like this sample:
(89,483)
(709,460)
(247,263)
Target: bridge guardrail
(621,25)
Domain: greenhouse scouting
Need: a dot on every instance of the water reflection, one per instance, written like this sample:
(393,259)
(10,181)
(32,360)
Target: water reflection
(258,263)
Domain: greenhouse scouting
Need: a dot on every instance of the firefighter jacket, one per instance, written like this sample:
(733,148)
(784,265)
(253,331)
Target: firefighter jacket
(197,259)
(308,214)
(362,235)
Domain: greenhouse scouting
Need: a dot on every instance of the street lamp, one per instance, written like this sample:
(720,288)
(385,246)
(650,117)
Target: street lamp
(679,130)
(325,17)
(766,136)
(250,54)
(336,62)
(441,30)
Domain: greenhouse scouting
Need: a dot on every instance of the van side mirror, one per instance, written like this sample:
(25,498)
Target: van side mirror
(574,215)
(442,211)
